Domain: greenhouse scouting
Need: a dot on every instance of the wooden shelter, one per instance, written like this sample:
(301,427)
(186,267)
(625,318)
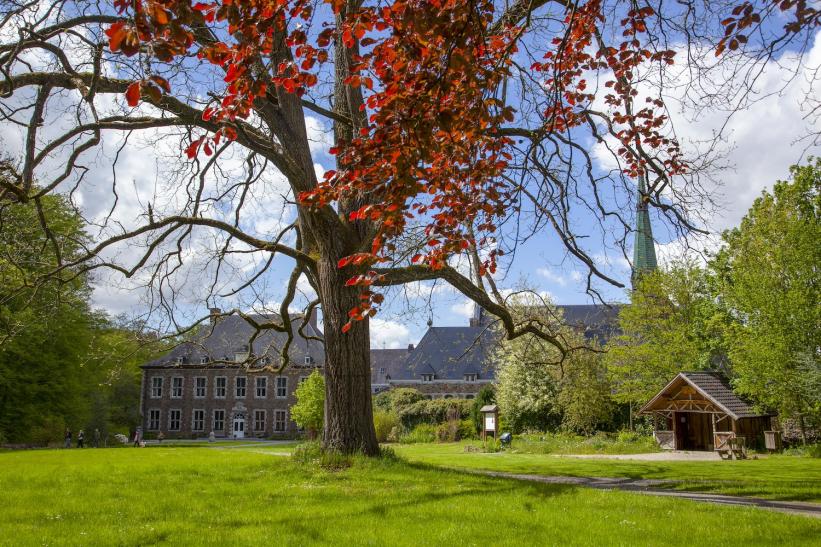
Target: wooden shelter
(700,412)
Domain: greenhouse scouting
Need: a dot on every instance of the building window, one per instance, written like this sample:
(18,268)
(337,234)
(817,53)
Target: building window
(200,383)
(174,417)
(427,377)
(154,419)
(470,377)
(302,379)
(282,387)
(219,421)
(261,387)
(259,420)
(176,387)
(382,371)
(156,387)
(241,383)
(468,396)
(280,417)
(198,420)
(308,360)
(220,386)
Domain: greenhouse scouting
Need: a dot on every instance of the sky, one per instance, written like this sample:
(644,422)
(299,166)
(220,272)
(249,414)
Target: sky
(761,143)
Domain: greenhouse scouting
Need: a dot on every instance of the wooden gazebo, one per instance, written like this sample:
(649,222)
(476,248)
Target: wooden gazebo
(699,411)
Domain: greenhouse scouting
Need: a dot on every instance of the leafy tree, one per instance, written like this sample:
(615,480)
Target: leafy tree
(436,154)
(308,412)
(768,277)
(585,394)
(672,324)
(537,387)
(45,325)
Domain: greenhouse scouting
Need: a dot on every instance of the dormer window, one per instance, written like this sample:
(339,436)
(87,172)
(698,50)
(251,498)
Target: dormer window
(470,377)
(203,360)
(179,360)
(382,370)
(309,360)
(428,377)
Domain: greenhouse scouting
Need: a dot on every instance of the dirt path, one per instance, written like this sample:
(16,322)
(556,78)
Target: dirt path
(652,487)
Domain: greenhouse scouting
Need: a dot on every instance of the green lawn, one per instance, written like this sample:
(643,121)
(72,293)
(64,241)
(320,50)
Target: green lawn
(776,477)
(205,495)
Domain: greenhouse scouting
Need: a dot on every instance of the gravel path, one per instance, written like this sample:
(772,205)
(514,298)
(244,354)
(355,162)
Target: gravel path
(652,487)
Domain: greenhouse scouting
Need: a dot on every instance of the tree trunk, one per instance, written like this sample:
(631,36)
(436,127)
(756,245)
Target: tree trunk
(348,414)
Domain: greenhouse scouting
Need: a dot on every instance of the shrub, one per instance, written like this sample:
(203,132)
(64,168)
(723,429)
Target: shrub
(486,396)
(309,410)
(395,434)
(491,445)
(467,430)
(394,399)
(448,432)
(422,433)
(384,423)
(432,411)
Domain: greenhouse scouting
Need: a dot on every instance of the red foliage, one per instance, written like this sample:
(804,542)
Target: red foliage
(433,148)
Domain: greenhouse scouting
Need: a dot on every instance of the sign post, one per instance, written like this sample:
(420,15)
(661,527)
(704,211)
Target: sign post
(490,421)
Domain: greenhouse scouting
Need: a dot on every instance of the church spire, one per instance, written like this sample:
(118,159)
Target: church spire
(644,251)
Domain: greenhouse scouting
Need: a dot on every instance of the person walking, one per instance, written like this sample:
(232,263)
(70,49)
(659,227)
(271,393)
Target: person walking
(138,437)
(81,438)
(67,438)
(96,438)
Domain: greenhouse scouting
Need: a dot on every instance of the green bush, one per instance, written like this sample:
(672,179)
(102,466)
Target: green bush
(422,433)
(448,432)
(600,443)
(392,400)
(384,422)
(432,411)
(467,430)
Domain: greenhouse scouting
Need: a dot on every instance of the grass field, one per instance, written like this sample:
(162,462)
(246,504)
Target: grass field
(776,477)
(227,496)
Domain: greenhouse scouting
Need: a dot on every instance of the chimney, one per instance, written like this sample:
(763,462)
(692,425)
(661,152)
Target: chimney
(410,348)
(476,320)
(312,319)
(214,315)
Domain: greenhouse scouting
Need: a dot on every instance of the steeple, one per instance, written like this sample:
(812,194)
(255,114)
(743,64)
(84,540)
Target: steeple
(644,250)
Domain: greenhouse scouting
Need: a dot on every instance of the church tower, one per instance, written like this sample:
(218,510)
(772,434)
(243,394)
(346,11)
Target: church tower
(644,250)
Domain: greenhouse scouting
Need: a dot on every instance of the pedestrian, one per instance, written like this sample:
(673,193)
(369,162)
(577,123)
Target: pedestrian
(81,437)
(96,438)
(211,437)
(138,437)
(68,438)
(160,437)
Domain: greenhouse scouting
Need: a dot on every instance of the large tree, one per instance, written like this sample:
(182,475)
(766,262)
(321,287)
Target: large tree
(768,277)
(672,324)
(460,129)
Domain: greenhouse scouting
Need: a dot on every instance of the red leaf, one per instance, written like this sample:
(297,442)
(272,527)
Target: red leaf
(132,94)
(346,327)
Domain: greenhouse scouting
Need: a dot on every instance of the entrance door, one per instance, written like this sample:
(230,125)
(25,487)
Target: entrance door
(693,431)
(239,427)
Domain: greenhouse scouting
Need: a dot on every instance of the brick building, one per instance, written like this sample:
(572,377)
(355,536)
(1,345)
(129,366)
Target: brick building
(202,385)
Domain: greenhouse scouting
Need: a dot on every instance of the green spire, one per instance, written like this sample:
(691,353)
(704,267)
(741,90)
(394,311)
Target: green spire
(644,250)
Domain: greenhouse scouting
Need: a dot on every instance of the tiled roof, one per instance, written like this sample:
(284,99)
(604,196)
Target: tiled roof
(386,364)
(452,352)
(716,387)
(231,335)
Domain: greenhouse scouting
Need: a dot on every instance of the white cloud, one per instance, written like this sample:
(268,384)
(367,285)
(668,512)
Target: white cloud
(551,276)
(389,334)
(761,138)
(464,308)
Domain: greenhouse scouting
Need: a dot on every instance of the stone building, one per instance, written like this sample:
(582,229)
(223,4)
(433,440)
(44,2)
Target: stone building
(202,385)
(457,361)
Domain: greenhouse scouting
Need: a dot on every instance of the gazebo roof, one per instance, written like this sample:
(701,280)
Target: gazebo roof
(706,392)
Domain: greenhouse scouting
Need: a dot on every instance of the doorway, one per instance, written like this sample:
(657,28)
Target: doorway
(239,426)
(694,431)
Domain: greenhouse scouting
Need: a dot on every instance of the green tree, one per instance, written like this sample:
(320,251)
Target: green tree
(309,410)
(768,277)
(585,394)
(538,389)
(45,322)
(672,324)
